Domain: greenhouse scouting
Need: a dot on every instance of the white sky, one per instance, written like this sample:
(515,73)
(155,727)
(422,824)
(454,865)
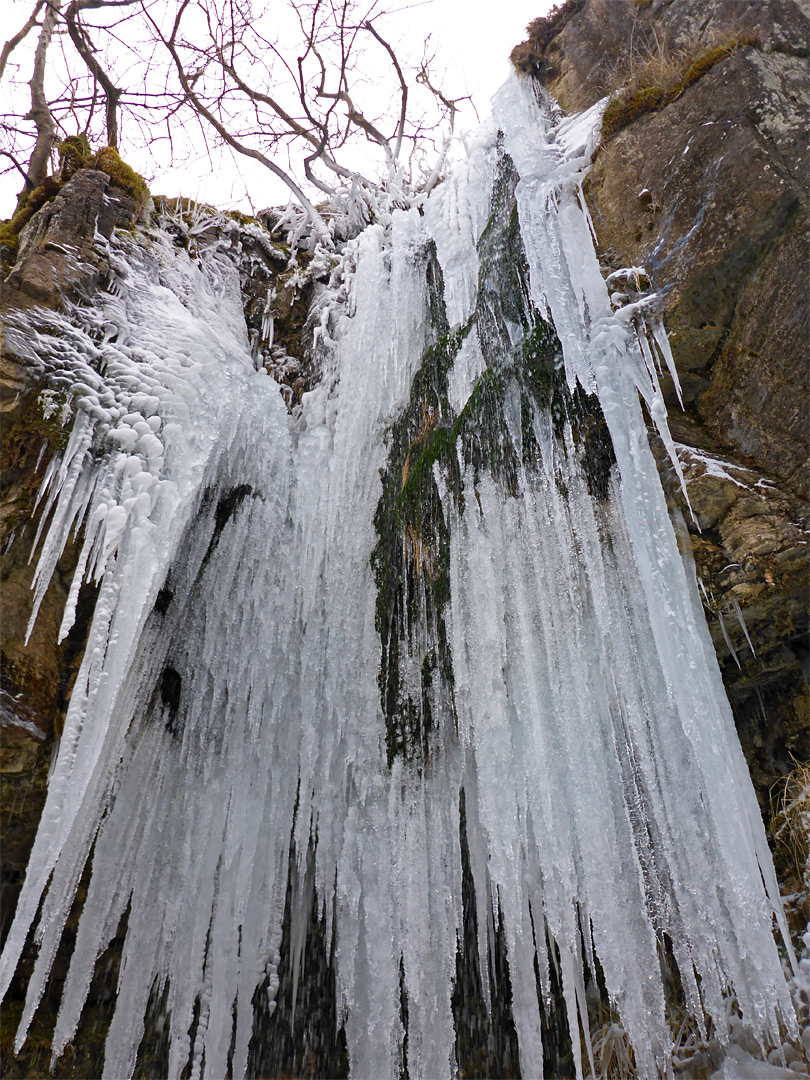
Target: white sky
(472,47)
(472,42)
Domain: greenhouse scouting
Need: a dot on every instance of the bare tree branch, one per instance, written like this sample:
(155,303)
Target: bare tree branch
(222,131)
(13,42)
(83,45)
(191,76)
(403,112)
(18,167)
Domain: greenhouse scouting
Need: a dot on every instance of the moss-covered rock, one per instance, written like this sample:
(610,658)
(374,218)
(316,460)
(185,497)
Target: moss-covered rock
(656,85)
(74,154)
(122,176)
(27,206)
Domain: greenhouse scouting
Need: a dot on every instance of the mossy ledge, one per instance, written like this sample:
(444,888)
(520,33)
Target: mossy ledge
(74,154)
(122,175)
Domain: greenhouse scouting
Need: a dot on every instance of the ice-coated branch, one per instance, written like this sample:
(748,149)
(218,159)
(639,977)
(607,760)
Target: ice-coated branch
(403,112)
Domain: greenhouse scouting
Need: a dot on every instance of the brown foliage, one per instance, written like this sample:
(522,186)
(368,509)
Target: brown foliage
(528,58)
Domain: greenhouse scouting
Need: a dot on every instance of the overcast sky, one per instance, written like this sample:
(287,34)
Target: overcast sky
(472,42)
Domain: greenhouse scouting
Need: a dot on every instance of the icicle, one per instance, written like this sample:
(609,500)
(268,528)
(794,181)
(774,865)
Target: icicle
(726,638)
(232,670)
(741,620)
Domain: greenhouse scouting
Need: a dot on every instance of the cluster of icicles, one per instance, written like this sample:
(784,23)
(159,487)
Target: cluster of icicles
(607,800)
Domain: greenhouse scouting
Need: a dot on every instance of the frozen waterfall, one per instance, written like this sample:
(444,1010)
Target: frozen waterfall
(434,628)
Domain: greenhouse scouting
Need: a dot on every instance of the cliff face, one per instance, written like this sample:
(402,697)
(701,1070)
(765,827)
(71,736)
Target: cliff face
(706,191)
(703,182)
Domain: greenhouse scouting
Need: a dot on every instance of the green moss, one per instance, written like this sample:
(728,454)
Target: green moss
(27,206)
(80,144)
(242,219)
(521,387)
(122,176)
(74,154)
(411,559)
(25,435)
(708,60)
(623,110)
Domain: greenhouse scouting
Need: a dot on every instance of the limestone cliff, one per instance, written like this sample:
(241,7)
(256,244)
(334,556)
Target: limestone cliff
(702,180)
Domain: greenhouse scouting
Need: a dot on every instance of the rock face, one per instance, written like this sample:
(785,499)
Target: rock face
(709,195)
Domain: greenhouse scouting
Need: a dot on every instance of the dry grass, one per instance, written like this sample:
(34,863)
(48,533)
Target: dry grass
(790,826)
(612,1053)
(661,76)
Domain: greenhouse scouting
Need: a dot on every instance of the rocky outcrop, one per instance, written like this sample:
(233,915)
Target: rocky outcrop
(704,184)
(698,195)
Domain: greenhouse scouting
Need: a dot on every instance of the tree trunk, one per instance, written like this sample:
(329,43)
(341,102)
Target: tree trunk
(40,112)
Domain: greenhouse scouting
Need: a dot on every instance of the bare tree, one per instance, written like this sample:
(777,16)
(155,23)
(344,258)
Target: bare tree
(86,50)
(252,90)
(327,106)
(83,84)
(14,41)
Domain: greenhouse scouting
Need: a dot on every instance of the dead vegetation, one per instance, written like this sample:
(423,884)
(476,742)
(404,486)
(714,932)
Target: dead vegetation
(529,57)
(790,831)
(662,75)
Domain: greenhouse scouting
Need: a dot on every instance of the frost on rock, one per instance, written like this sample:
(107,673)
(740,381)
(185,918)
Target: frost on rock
(450,573)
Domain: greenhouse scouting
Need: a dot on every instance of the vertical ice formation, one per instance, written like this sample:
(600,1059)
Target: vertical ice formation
(525,631)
